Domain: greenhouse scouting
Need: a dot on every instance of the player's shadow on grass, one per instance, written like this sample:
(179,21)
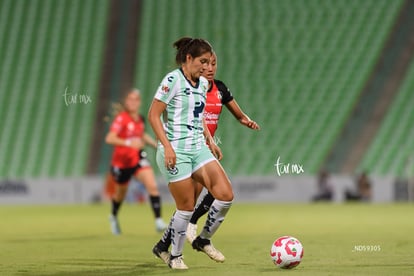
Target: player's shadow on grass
(54,239)
(109,267)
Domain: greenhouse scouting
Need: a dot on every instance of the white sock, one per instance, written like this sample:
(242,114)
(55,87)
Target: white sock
(179,223)
(216,214)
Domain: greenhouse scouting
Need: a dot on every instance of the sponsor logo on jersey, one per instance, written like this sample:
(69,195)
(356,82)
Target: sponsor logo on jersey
(211,116)
(187,91)
(165,89)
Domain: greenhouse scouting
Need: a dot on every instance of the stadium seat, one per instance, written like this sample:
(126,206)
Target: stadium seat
(294,66)
(58,45)
(392,148)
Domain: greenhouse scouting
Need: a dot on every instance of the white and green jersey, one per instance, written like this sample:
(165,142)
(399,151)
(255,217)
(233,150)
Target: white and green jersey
(183,117)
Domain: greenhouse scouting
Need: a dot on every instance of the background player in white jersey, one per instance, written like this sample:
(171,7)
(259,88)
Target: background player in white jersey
(182,155)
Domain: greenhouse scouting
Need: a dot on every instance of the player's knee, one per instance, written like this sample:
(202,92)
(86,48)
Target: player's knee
(119,197)
(185,205)
(188,208)
(153,191)
(229,196)
(228,192)
(226,195)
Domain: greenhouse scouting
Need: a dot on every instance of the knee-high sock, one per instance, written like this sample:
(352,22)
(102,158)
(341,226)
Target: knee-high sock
(156,205)
(179,223)
(165,241)
(216,214)
(202,208)
(115,207)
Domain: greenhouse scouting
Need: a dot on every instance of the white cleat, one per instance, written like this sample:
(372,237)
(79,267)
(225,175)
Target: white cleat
(113,221)
(213,253)
(163,255)
(207,247)
(160,225)
(191,232)
(177,263)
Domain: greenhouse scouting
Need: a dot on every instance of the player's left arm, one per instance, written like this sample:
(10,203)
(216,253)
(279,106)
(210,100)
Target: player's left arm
(231,104)
(148,140)
(210,142)
(235,109)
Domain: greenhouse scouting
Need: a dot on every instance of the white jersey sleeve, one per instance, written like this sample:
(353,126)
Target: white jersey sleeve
(166,91)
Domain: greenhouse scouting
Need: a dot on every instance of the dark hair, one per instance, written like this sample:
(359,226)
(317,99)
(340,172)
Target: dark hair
(193,46)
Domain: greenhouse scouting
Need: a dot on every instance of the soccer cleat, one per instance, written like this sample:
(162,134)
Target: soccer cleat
(163,255)
(191,232)
(177,263)
(205,245)
(115,229)
(160,225)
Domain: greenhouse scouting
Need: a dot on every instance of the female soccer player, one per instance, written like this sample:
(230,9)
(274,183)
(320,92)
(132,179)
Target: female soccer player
(183,155)
(217,95)
(127,134)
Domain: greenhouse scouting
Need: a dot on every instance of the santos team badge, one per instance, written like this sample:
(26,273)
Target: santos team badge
(173,170)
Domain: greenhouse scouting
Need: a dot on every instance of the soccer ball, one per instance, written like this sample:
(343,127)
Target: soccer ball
(286,252)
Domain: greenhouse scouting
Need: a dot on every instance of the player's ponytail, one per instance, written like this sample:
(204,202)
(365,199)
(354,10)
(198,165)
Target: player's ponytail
(193,46)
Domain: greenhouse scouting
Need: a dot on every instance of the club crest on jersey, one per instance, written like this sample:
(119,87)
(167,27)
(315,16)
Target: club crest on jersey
(219,95)
(173,170)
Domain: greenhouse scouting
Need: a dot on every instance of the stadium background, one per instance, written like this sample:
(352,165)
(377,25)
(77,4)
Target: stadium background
(330,83)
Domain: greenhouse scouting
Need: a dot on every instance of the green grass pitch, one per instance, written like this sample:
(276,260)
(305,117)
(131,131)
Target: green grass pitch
(338,239)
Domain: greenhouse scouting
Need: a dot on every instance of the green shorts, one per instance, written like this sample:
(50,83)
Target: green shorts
(186,164)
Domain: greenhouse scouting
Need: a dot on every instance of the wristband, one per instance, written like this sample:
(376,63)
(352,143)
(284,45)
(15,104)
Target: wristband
(127,142)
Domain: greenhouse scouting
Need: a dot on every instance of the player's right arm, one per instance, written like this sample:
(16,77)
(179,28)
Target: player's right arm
(163,96)
(112,138)
(154,113)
